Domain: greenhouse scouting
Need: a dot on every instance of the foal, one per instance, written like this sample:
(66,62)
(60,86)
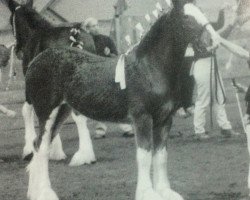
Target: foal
(59,79)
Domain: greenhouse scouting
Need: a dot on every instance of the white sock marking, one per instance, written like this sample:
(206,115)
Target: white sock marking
(85,153)
(39,182)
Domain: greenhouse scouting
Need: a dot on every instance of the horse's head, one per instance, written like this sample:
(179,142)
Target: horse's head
(194,25)
(20,26)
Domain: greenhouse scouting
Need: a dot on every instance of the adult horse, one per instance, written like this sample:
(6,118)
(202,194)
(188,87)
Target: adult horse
(59,80)
(33,35)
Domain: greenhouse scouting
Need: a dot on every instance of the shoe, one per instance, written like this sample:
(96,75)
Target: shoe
(227,133)
(128,134)
(201,136)
(182,113)
(97,136)
(100,133)
(190,110)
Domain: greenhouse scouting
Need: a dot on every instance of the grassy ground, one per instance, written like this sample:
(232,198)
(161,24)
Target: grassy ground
(211,170)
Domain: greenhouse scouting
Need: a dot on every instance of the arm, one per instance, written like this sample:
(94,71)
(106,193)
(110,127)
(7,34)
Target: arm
(112,47)
(220,21)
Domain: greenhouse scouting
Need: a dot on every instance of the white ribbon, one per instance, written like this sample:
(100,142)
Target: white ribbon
(120,72)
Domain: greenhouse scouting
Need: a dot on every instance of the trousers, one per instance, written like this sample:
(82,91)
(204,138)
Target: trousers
(201,73)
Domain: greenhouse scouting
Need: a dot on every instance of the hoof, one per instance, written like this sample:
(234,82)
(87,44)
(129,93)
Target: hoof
(57,156)
(148,195)
(48,194)
(28,157)
(81,158)
(168,194)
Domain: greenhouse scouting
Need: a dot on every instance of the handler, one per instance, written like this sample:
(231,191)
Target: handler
(105,47)
(210,89)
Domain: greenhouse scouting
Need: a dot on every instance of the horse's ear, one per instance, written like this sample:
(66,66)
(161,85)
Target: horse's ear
(29,3)
(178,4)
(12,5)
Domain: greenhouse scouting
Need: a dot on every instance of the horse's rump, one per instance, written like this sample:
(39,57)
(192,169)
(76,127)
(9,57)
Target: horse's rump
(70,75)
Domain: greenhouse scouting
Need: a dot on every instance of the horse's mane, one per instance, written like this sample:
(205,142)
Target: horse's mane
(152,35)
(35,20)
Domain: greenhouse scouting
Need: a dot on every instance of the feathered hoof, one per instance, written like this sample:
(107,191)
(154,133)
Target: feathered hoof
(149,194)
(82,158)
(57,156)
(47,194)
(168,194)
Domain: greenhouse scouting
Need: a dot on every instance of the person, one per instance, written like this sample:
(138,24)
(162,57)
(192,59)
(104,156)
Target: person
(4,59)
(210,89)
(105,47)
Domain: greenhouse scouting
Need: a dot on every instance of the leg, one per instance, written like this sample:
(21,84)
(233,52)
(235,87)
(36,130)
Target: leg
(160,177)
(39,183)
(85,153)
(202,79)
(56,149)
(143,127)
(30,133)
(219,107)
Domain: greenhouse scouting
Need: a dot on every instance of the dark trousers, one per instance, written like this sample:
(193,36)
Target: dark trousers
(186,83)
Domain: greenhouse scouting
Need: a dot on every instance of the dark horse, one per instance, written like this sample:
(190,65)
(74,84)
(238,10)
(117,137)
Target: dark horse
(58,78)
(33,35)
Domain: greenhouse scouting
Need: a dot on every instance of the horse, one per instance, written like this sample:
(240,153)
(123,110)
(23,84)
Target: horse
(33,35)
(59,80)
(4,56)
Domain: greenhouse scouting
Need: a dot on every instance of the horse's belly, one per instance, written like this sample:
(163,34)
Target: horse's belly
(100,106)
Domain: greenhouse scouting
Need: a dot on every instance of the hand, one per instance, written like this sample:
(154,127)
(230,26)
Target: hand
(11,113)
(107,51)
(239,88)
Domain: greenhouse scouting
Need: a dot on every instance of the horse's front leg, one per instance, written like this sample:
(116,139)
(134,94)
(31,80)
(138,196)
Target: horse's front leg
(160,176)
(85,153)
(144,140)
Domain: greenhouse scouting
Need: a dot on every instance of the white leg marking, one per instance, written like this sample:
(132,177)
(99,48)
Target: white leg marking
(144,190)
(39,183)
(85,153)
(161,182)
(30,133)
(56,149)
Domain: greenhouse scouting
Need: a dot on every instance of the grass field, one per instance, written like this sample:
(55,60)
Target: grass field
(212,170)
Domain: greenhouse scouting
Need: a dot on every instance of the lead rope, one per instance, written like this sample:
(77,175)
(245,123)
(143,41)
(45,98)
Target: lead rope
(217,79)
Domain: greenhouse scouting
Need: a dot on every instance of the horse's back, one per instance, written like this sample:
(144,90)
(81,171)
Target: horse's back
(72,75)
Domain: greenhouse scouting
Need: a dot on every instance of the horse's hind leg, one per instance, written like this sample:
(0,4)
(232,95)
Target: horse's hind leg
(160,177)
(144,139)
(30,133)
(39,183)
(56,149)
(85,153)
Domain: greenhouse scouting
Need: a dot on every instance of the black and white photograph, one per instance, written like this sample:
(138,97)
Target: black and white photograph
(124,99)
